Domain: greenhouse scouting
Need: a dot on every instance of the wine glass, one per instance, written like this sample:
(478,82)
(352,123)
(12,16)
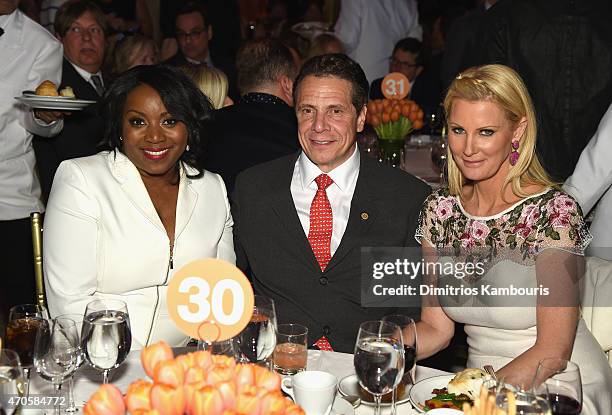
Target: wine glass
(56,352)
(224,347)
(409,337)
(106,336)
(559,381)
(11,380)
(526,401)
(439,147)
(23,324)
(379,358)
(78,320)
(258,339)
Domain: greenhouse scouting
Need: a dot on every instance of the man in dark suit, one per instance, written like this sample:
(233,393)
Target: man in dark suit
(81,27)
(425,84)
(261,126)
(193,33)
(300,221)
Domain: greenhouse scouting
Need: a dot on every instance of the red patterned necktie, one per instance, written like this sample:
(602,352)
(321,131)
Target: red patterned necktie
(323,344)
(320,232)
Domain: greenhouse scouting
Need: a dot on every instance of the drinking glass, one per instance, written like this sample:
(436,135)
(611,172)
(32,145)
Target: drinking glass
(439,147)
(258,339)
(526,401)
(11,380)
(379,358)
(559,381)
(409,337)
(291,351)
(227,347)
(78,320)
(23,324)
(56,352)
(106,336)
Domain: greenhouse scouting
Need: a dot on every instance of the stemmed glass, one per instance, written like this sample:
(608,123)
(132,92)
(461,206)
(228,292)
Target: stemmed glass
(439,147)
(258,339)
(224,347)
(559,382)
(106,336)
(78,320)
(379,358)
(23,324)
(11,380)
(409,337)
(56,352)
(526,401)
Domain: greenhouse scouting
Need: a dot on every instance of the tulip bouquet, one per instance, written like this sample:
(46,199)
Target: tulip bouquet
(393,120)
(194,383)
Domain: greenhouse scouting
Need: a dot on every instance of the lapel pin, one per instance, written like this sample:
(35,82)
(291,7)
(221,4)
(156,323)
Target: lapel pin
(364,216)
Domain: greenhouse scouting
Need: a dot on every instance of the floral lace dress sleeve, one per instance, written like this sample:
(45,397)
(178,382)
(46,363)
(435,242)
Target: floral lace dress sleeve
(429,228)
(562,225)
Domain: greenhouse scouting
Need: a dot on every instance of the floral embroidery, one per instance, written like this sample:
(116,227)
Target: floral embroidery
(548,220)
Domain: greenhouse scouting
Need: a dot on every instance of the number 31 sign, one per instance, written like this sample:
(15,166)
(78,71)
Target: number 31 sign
(395,86)
(210,300)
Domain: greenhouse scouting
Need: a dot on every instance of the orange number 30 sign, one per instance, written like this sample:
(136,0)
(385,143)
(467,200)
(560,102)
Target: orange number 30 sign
(210,300)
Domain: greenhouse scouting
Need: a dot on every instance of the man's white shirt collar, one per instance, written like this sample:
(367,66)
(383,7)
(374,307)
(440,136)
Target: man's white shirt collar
(86,75)
(343,175)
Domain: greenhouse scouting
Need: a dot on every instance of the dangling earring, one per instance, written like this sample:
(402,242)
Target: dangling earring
(187,148)
(514,156)
(120,138)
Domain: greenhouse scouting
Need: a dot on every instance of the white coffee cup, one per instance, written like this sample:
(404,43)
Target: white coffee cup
(313,390)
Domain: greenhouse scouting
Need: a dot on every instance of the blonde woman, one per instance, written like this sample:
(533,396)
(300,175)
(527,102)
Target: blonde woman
(212,82)
(132,50)
(502,212)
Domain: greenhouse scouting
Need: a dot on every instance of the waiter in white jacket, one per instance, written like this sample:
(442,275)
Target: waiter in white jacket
(591,183)
(29,55)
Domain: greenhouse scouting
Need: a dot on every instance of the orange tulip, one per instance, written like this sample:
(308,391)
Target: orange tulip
(190,391)
(294,409)
(244,376)
(228,393)
(195,375)
(145,412)
(267,380)
(168,400)
(219,359)
(273,403)
(202,358)
(395,116)
(107,400)
(219,373)
(186,361)
(170,373)
(151,355)
(375,121)
(207,401)
(137,396)
(248,403)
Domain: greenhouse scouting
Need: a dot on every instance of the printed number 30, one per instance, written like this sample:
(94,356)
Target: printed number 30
(204,307)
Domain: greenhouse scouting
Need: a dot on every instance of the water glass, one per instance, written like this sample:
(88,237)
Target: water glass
(291,351)
(258,339)
(106,336)
(78,320)
(11,381)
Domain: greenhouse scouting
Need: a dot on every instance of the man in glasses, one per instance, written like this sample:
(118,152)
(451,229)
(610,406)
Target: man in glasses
(82,28)
(407,58)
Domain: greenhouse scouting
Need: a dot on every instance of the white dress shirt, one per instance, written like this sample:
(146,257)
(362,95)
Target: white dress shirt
(370,29)
(86,75)
(339,193)
(29,55)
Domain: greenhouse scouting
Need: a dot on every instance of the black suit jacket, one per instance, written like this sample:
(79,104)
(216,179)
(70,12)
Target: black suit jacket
(246,134)
(269,239)
(81,136)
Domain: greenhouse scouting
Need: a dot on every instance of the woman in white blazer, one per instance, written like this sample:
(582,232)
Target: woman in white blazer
(121,222)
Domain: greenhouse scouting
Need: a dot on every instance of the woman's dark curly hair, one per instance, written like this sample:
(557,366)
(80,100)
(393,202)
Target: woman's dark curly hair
(179,94)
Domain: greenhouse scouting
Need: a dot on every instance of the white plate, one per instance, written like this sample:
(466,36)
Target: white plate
(421,391)
(342,407)
(349,385)
(54,103)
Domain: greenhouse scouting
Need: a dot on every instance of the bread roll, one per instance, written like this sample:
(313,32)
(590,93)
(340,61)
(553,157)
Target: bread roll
(467,382)
(47,88)
(67,92)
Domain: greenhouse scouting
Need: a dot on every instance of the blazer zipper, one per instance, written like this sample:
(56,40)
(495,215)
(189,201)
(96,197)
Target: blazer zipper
(170,266)
(171,257)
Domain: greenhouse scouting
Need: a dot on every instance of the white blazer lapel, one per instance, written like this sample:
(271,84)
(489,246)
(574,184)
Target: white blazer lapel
(186,203)
(131,183)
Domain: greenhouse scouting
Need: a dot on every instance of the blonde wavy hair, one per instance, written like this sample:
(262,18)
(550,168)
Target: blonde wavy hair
(503,86)
(211,81)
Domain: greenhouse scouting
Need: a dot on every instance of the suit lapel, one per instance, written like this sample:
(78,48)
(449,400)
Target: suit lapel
(282,204)
(364,210)
(185,204)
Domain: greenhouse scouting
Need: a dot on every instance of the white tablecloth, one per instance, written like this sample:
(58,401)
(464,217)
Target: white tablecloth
(88,380)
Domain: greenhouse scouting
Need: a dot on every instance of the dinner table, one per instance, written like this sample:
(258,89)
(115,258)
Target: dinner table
(87,380)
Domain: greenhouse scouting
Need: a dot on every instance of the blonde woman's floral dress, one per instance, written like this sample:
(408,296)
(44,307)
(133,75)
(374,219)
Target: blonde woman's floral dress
(499,328)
